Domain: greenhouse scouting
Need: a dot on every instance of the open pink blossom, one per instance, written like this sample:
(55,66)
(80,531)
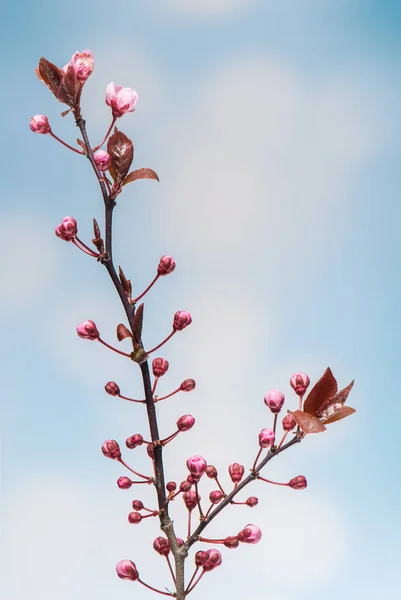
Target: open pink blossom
(40,124)
(83,64)
(121,100)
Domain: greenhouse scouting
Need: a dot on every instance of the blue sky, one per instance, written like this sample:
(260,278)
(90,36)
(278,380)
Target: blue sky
(274,128)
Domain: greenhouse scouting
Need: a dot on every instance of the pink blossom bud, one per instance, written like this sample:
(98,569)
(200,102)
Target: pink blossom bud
(112,388)
(192,479)
(159,367)
(190,499)
(124,483)
(135,518)
(298,483)
(171,486)
(201,557)
(196,465)
(299,383)
(162,546)
(188,385)
(274,400)
(67,230)
(185,486)
(252,501)
(236,472)
(288,422)
(150,450)
(180,541)
(213,561)
(133,441)
(166,265)
(211,472)
(121,100)
(185,423)
(83,64)
(181,320)
(88,330)
(216,496)
(40,124)
(102,160)
(126,569)
(137,504)
(251,534)
(266,438)
(111,449)
(231,541)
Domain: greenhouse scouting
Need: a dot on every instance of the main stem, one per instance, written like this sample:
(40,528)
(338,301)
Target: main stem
(165,521)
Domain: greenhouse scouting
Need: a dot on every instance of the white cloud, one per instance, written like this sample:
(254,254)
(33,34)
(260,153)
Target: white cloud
(207,7)
(268,155)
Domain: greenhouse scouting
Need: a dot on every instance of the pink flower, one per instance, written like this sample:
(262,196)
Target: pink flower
(185,423)
(134,518)
(181,320)
(102,160)
(40,124)
(121,100)
(159,367)
(124,483)
(213,561)
(134,440)
(274,400)
(162,546)
(88,330)
(196,466)
(191,499)
(266,438)
(299,382)
(211,472)
(236,472)
(126,569)
(67,230)
(251,534)
(298,483)
(252,501)
(187,385)
(82,63)
(288,422)
(216,496)
(166,265)
(111,449)
(112,388)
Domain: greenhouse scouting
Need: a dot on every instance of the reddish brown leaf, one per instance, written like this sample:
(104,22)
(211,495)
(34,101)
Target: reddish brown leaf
(80,142)
(121,152)
(322,391)
(69,89)
(308,423)
(96,229)
(333,404)
(341,413)
(126,283)
(123,332)
(65,113)
(140,174)
(138,322)
(50,75)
